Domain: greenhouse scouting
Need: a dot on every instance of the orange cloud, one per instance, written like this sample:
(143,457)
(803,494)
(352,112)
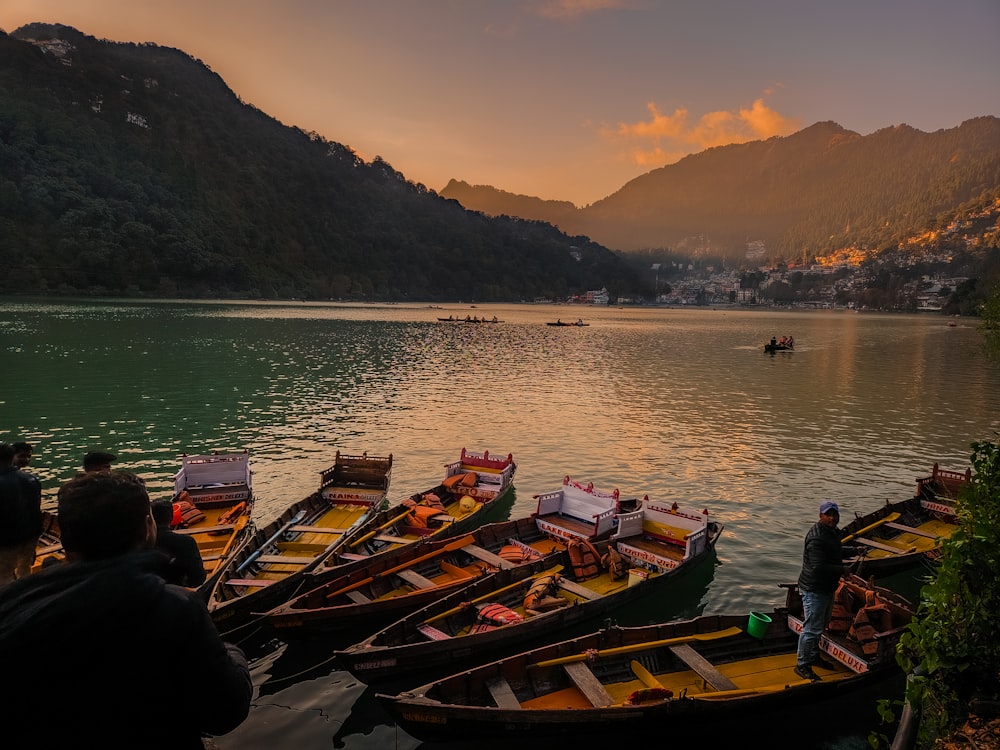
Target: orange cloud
(663,138)
(562,9)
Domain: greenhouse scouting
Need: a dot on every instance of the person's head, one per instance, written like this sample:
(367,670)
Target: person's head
(829,513)
(6,455)
(22,454)
(98,461)
(104,515)
(163,512)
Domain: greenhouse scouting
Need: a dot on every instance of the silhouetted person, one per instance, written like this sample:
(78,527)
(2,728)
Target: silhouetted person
(98,461)
(186,567)
(20,518)
(100,651)
(22,455)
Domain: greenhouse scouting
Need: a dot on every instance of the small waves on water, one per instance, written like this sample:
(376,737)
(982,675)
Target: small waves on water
(674,404)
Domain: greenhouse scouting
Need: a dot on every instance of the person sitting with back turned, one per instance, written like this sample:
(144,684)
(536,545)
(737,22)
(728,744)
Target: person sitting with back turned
(20,517)
(100,651)
(186,567)
(823,557)
(98,462)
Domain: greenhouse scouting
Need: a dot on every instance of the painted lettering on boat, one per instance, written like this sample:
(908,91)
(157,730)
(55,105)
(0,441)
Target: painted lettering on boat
(638,554)
(554,530)
(849,660)
(938,507)
(377,664)
(424,718)
(330,495)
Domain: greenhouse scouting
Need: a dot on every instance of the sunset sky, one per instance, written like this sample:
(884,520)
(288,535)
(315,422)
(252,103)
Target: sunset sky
(569,99)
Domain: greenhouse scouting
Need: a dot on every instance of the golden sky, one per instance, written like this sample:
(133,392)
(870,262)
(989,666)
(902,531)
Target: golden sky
(569,99)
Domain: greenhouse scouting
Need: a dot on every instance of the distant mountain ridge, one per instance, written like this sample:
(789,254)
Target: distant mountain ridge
(133,169)
(817,190)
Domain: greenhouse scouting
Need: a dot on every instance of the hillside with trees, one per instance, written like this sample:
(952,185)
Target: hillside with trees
(133,169)
(809,194)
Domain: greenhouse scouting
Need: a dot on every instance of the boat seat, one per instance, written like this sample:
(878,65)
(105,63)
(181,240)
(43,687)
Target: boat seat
(48,550)
(283,559)
(884,547)
(912,530)
(701,665)
(432,632)
(588,684)
(487,556)
(357,597)
(502,693)
(353,556)
(575,588)
(392,539)
(415,579)
(317,529)
(248,582)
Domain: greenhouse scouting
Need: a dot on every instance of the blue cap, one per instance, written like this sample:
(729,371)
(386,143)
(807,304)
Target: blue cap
(828,507)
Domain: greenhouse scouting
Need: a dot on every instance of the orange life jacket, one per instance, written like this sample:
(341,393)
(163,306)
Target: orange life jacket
(584,559)
(614,563)
(642,695)
(842,613)
(871,619)
(185,514)
(498,614)
(513,553)
(422,514)
(542,587)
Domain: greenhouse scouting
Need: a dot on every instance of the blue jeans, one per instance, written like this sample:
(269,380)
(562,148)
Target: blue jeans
(817,607)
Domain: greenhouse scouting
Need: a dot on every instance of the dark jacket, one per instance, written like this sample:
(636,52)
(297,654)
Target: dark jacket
(20,506)
(186,566)
(823,559)
(107,655)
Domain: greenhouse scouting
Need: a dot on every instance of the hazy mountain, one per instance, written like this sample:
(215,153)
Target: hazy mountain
(820,189)
(134,169)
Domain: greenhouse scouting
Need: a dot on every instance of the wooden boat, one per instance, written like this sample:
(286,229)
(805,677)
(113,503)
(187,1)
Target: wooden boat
(469,320)
(49,548)
(672,679)
(579,511)
(265,569)
(213,502)
(578,324)
(910,532)
(785,344)
(580,588)
(395,583)
(471,486)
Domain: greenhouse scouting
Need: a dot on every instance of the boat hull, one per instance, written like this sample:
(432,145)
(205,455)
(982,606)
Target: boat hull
(677,679)
(401,649)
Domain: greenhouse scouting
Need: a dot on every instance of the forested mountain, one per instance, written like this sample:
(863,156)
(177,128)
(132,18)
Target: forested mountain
(134,169)
(821,189)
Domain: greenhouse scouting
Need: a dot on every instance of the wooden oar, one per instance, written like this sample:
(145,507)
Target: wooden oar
(891,517)
(450,547)
(260,550)
(491,595)
(727,633)
(373,532)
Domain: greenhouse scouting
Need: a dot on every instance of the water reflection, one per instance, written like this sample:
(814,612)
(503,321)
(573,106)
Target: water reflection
(676,404)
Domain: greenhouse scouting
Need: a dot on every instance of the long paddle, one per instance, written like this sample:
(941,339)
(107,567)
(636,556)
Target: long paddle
(449,547)
(869,527)
(257,553)
(727,633)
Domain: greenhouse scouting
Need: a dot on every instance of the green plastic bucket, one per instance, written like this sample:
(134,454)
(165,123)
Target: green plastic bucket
(757,624)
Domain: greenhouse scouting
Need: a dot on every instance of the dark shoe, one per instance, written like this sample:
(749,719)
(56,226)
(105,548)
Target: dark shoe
(806,673)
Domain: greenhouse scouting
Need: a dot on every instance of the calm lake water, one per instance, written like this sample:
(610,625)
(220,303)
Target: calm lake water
(678,404)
